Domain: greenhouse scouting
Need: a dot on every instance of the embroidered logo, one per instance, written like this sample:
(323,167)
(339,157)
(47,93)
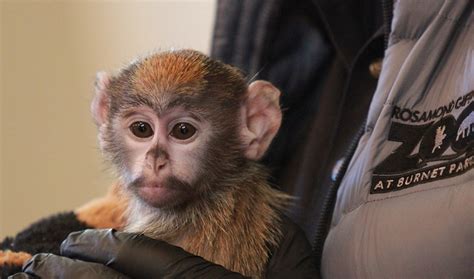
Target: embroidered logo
(441,147)
(440,136)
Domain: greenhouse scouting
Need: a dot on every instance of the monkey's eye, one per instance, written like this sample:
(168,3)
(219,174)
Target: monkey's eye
(183,131)
(141,129)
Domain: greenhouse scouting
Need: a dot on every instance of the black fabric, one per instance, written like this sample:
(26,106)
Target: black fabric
(292,258)
(318,53)
(281,42)
(135,255)
(43,236)
(52,266)
(8,269)
(138,256)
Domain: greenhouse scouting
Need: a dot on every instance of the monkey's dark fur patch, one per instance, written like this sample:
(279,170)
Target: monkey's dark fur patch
(43,236)
(8,270)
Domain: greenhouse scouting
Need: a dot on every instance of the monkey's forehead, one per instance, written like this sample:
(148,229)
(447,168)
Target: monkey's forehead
(161,103)
(164,72)
(184,73)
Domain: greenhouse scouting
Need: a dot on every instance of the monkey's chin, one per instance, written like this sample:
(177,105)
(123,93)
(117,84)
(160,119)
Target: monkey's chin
(162,196)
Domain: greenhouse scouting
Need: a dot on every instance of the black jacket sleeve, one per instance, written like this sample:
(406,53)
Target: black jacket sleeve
(293,257)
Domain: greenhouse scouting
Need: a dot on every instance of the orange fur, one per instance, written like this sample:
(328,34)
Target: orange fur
(13,258)
(163,72)
(105,212)
(242,235)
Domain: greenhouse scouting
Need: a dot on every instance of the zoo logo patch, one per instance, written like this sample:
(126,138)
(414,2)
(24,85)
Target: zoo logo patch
(439,149)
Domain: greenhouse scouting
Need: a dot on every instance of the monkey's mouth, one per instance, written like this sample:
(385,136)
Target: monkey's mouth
(153,193)
(169,193)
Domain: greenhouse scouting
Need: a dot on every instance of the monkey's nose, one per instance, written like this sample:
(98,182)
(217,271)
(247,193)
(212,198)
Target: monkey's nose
(160,163)
(157,159)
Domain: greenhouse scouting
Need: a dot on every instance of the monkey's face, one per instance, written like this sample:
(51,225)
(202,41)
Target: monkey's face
(180,126)
(163,153)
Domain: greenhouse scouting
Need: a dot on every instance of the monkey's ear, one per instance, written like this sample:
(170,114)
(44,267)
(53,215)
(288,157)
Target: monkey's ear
(100,103)
(261,118)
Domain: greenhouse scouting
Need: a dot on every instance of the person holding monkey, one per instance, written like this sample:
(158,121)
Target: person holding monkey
(381,161)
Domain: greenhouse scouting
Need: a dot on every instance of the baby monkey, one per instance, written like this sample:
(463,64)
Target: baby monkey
(185,133)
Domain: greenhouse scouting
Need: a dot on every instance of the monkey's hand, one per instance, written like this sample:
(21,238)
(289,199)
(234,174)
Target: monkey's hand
(110,253)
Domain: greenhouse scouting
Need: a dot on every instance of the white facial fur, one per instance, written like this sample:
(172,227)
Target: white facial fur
(183,156)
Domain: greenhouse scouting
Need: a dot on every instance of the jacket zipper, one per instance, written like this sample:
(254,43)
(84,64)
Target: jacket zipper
(325,215)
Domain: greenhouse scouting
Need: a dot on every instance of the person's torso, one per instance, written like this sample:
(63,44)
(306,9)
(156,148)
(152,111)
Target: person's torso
(405,208)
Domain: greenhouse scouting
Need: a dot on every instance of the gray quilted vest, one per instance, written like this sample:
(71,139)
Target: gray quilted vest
(405,208)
